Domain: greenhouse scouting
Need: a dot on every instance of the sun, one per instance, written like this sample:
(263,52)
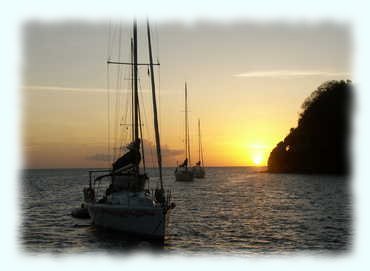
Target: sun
(257,159)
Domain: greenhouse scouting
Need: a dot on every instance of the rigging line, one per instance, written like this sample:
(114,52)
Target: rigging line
(112,40)
(159,77)
(152,157)
(188,134)
(140,121)
(144,111)
(142,142)
(149,136)
(119,98)
(146,121)
(128,95)
(202,155)
(115,38)
(126,71)
(115,101)
(135,77)
(157,38)
(109,40)
(118,87)
(125,128)
(146,128)
(111,35)
(200,144)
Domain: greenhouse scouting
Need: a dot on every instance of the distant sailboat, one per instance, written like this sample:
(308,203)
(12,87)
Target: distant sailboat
(183,172)
(126,206)
(198,169)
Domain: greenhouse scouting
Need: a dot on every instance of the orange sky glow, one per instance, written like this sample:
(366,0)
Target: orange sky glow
(246,84)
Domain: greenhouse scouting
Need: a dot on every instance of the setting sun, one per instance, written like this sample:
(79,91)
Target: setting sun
(257,159)
(257,153)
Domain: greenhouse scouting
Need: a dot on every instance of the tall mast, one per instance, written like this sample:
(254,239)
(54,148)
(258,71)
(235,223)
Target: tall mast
(199,147)
(132,92)
(186,122)
(189,144)
(155,114)
(136,96)
(187,139)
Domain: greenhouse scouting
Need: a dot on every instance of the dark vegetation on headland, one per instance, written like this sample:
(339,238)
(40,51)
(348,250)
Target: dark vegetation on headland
(319,144)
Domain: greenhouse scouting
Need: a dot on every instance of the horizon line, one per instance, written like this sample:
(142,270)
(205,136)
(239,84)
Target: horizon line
(60,168)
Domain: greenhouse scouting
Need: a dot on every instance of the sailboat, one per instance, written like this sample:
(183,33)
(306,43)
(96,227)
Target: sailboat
(198,169)
(183,172)
(125,205)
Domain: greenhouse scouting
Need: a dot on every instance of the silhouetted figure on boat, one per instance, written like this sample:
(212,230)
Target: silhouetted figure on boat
(198,163)
(319,144)
(130,159)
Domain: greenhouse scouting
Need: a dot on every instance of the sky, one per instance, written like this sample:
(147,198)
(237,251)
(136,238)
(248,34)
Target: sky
(246,83)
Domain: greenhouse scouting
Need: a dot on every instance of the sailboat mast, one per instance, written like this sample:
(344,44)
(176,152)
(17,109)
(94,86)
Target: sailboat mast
(155,114)
(136,96)
(186,122)
(199,147)
(189,144)
(132,92)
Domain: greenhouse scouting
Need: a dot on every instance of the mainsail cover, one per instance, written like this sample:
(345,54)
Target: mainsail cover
(130,159)
(185,163)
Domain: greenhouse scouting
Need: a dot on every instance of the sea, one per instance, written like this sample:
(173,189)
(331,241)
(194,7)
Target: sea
(232,211)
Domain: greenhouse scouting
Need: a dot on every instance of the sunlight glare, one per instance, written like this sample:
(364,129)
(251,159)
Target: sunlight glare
(257,159)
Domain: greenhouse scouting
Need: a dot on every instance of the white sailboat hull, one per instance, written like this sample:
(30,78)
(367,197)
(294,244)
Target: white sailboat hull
(199,172)
(141,221)
(184,175)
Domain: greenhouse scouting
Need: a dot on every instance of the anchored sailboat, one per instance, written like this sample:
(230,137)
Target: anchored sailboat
(183,172)
(198,169)
(126,205)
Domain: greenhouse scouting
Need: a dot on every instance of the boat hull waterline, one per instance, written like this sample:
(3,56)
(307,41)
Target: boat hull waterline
(144,221)
(184,176)
(199,172)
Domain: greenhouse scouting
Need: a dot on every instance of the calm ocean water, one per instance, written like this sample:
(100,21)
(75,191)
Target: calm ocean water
(232,210)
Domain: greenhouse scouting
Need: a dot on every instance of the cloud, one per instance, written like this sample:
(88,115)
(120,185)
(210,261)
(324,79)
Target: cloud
(71,89)
(75,89)
(166,151)
(58,88)
(103,157)
(169,156)
(289,73)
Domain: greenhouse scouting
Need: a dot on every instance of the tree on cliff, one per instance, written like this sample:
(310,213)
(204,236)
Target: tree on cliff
(319,144)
